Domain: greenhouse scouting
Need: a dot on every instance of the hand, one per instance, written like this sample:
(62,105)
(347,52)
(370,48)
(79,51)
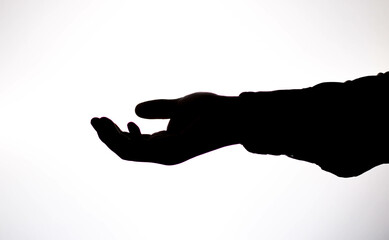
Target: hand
(199,123)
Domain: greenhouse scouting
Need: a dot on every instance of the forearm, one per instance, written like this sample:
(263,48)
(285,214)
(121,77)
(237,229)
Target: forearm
(338,126)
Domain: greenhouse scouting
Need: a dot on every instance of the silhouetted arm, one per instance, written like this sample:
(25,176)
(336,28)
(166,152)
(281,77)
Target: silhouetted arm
(339,126)
(342,127)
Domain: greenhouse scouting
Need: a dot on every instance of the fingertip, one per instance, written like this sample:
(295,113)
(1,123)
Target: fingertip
(94,122)
(133,128)
(139,110)
(130,124)
(146,109)
(156,109)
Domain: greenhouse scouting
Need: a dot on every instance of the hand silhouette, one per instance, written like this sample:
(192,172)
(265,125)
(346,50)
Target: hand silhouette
(199,123)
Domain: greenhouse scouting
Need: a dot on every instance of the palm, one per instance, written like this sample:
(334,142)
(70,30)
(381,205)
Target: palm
(196,126)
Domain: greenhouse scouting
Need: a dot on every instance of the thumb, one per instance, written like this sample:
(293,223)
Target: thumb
(154,109)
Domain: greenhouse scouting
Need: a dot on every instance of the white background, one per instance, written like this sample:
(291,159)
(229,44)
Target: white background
(64,62)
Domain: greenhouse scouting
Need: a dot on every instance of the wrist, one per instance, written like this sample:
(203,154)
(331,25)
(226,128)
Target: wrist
(267,120)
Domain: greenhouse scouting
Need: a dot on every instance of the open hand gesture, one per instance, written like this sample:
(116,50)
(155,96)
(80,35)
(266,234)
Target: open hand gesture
(199,123)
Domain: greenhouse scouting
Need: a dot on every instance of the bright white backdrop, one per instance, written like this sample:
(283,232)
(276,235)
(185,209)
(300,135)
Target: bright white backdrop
(64,62)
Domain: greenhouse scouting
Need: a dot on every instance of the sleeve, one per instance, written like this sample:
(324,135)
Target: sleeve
(342,127)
